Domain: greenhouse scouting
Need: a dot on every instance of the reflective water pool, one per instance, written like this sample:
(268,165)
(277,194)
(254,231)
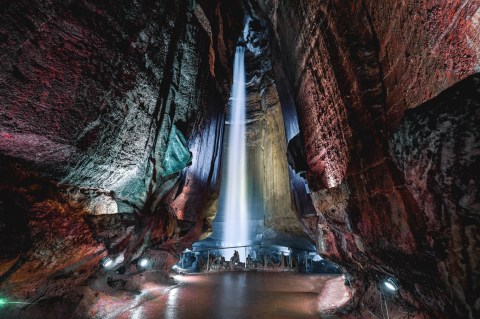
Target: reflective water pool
(239,295)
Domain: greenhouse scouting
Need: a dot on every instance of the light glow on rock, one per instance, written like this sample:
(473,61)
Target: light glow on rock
(143,262)
(391,284)
(108,263)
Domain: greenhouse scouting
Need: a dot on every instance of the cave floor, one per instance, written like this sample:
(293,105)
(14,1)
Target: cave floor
(233,295)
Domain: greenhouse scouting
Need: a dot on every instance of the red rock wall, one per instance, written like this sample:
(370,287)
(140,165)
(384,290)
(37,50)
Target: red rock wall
(436,146)
(354,68)
(89,93)
(424,47)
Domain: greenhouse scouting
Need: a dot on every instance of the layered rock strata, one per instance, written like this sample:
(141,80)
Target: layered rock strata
(96,99)
(266,138)
(353,70)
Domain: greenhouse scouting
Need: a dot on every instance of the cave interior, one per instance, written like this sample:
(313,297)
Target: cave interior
(362,152)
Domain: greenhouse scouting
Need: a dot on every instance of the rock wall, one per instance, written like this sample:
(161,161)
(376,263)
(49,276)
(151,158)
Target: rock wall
(353,69)
(271,216)
(437,148)
(270,185)
(432,43)
(266,138)
(94,94)
(90,93)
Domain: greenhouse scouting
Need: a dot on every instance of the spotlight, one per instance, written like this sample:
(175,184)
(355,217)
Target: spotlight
(107,263)
(391,284)
(143,262)
(3,302)
(120,258)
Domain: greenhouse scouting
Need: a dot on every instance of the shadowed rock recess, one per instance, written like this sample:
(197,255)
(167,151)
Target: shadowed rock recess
(363,130)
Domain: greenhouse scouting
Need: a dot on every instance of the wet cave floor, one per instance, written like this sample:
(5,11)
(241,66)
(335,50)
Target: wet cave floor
(231,295)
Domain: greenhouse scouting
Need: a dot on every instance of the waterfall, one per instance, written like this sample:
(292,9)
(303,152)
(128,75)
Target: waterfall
(236,211)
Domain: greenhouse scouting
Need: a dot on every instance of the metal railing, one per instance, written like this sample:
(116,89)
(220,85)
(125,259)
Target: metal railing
(256,256)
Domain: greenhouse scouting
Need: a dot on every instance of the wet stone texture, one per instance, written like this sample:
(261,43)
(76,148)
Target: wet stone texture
(47,247)
(351,83)
(437,148)
(267,147)
(432,43)
(93,95)
(90,94)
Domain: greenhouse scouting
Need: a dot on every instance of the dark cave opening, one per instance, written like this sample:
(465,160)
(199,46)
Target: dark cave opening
(14,227)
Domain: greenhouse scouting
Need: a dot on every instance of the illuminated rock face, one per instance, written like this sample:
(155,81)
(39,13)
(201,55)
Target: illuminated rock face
(436,147)
(90,93)
(269,180)
(271,214)
(99,97)
(353,70)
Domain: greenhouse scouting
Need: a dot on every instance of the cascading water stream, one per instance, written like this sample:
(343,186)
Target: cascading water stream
(236,210)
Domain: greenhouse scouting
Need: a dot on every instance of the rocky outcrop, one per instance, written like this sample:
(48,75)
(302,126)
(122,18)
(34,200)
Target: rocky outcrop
(437,148)
(266,138)
(352,82)
(423,47)
(99,97)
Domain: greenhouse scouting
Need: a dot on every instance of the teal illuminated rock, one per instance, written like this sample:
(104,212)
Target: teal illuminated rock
(177,156)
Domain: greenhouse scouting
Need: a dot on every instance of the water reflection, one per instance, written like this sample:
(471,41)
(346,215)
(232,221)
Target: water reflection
(172,303)
(229,295)
(251,295)
(137,313)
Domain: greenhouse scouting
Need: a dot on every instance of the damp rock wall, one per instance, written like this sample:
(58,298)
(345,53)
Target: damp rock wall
(96,99)
(353,69)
